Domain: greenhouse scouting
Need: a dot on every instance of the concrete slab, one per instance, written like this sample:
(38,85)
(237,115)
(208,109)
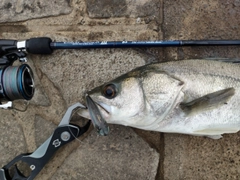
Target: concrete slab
(187,157)
(199,20)
(200,158)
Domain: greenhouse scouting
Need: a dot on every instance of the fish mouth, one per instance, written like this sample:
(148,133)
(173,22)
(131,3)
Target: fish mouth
(104,107)
(96,116)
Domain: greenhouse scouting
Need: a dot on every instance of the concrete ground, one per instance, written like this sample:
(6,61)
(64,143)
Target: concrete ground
(63,77)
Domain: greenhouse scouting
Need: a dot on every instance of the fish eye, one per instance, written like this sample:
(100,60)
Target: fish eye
(109,91)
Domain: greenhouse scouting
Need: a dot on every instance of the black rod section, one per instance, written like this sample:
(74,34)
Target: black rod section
(210,42)
(131,44)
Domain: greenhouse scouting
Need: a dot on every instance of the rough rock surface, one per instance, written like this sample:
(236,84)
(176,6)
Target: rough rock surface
(127,8)
(122,155)
(20,10)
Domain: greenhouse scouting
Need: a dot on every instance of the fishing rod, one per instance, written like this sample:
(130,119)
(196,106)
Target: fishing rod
(44,45)
(21,84)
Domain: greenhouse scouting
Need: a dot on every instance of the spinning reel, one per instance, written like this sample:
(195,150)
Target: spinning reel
(16,82)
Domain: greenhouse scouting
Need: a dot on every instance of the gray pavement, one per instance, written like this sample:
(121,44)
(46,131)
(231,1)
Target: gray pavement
(63,77)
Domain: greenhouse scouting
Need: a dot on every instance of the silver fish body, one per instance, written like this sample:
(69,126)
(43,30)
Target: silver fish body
(196,97)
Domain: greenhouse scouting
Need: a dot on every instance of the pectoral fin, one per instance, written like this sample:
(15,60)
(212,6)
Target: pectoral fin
(208,102)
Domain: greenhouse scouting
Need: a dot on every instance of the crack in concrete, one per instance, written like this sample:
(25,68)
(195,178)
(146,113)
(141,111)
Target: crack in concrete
(161,151)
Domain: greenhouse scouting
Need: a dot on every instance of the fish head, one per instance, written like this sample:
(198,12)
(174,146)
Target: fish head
(136,96)
(119,99)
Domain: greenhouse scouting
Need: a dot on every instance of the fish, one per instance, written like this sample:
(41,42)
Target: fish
(197,97)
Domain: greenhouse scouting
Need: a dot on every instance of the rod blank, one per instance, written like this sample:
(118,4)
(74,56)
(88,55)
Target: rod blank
(44,45)
(132,44)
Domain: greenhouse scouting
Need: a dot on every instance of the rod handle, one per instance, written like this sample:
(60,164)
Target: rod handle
(40,45)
